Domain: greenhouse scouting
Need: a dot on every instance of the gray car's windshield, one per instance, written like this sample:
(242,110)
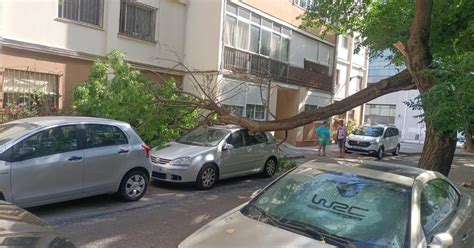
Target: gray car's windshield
(204,136)
(11,131)
(338,206)
(369,131)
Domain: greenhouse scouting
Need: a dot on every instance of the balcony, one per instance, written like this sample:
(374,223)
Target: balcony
(314,76)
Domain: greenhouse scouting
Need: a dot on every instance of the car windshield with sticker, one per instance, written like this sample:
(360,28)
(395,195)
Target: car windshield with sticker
(364,211)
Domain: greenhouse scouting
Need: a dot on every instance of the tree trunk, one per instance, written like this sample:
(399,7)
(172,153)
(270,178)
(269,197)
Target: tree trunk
(438,151)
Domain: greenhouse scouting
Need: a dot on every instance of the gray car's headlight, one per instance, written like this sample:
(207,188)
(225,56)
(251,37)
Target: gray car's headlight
(184,161)
(375,142)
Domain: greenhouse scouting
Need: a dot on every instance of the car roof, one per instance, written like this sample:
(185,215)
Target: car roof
(400,174)
(227,127)
(58,120)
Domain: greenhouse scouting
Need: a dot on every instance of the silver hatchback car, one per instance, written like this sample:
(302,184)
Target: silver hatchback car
(207,154)
(51,159)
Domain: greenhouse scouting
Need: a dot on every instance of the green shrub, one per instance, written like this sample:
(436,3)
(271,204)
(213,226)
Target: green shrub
(286,163)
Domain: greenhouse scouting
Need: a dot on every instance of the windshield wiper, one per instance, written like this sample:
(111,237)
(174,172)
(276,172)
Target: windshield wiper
(313,231)
(264,214)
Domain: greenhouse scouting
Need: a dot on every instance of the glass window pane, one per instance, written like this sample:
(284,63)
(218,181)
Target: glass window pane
(256,18)
(276,27)
(266,23)
(242,35)
(244,13)
(52,141)
(104,135)
(232,9)
(254,38)
(285,31)
(229,30)
(275,51)
(284,49)
(265,42)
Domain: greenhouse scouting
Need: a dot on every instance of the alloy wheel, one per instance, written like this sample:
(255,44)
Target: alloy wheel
(270,167)
(208,177)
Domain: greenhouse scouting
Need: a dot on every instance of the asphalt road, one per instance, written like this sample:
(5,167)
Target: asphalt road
(166,215)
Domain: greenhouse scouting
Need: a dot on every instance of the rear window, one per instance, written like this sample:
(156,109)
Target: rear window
(10,131)
(367,212)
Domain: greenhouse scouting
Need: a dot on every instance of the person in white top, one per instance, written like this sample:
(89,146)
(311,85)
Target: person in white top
(341,138)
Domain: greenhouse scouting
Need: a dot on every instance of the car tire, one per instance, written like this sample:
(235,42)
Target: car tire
(133,186)
(207,177)
(396,151)
(270,167)
(380,153)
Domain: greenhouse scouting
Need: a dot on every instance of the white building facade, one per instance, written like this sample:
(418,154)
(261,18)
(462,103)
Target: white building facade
(391,109)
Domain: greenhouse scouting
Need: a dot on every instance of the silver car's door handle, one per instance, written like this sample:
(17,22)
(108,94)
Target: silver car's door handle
(123,151)
(74,158)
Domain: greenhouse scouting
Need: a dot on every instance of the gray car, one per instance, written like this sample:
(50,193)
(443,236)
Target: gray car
(51,159)
(207,154)
(352,205)
(20,228)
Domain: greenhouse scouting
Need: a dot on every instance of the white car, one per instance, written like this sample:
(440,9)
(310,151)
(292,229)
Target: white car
(375,140)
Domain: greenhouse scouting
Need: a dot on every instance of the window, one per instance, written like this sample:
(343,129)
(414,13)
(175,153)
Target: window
(304,3)
(309,107)
(24,87)
(265,42)
(83,11)
(438,201)
(230,23)
(137,20)
(380,114)
(51,141)
(242,35)
(255,111)
(236,139)
(104,135)
(359,83)
(345,41)
(248,31)
(234,109)
(254,38)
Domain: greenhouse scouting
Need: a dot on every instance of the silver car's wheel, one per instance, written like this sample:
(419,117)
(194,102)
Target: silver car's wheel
(380,153)
(207,177)
(270,167)
(397,151)
(133,186)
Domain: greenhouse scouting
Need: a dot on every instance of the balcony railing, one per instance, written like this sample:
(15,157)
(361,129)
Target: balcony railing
(244,62)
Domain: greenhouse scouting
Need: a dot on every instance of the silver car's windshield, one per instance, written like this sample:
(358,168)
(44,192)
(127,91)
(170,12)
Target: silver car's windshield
(204,136)
(369,131)
(362,211)
(11,131)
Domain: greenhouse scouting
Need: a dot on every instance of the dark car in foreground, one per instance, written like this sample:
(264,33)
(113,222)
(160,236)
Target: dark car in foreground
(19,228)
(348,205)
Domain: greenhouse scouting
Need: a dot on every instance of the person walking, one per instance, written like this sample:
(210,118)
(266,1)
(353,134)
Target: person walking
(323,135)
(341,138)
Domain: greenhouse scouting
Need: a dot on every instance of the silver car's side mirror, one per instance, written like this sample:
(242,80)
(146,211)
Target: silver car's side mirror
(442,240)
(228,147)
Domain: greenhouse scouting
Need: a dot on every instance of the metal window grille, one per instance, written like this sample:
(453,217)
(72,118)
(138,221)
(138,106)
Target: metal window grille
(82,11)
(137,20)
(23,86)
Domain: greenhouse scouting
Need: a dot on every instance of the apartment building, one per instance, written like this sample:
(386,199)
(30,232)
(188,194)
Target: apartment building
(390,108)
(49,45)
(351,74)
(250,54)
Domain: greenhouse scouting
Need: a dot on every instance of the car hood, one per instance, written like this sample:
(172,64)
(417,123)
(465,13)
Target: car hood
(233,229)
(19,228)
(175,150)
(361,138)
